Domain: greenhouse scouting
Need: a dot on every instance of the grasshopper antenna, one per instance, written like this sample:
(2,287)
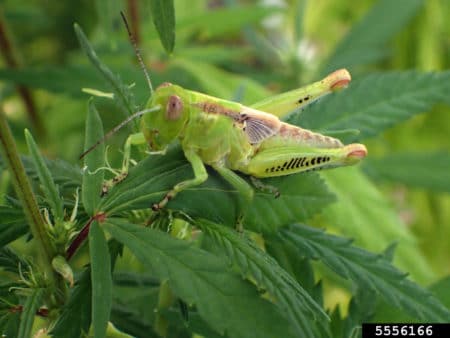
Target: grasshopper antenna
(137,52)
(139,113)
(118,127)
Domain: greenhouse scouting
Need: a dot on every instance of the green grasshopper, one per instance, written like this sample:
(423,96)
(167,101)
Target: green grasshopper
(230,137)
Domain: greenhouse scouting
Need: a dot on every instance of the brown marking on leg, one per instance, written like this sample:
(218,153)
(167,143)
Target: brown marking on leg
(163,202)
(111,183)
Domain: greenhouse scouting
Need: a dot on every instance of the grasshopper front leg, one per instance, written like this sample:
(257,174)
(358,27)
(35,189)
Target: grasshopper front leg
(133,139)
(200,176)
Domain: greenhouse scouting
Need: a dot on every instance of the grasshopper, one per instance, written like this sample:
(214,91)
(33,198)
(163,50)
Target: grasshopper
(231,137)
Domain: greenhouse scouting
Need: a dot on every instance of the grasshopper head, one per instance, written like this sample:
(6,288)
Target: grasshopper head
(165,126)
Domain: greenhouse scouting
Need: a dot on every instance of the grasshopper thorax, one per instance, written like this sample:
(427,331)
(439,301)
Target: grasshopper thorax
(162,128)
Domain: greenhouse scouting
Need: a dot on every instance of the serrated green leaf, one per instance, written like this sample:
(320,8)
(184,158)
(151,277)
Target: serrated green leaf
(186,328)
(134,306)
(10,261)
(48,186)
(71,79)
(68,80)
(303,312)
(9,320)
(92,180)
(442,290)
(302,196)
(68,178)
(132,322)
(129,279)
(363,213)
(8,296)
(386,312)
(220,83)
(366,41)
(213,53)
(101,280)
(65,174)
(75,317)
(422,170)
(198,325)
(225,301)
(13,224)
(123,95)
(367,271)
(360,310)
(34,301)
(163,15)
(147,182)
(218,22)
(300,268)
(376,102)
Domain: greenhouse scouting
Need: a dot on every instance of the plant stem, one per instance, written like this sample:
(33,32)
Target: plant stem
(81,237)
(12,61)
(165,300)
(133,12)
(25,194)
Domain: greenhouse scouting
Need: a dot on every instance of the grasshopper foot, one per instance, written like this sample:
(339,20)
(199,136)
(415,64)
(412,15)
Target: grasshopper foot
(239,227)
(105,188)
(156,207)
(265,187)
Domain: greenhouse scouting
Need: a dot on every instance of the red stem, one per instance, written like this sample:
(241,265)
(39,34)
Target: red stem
(76,243)
(82,235)
(43,312)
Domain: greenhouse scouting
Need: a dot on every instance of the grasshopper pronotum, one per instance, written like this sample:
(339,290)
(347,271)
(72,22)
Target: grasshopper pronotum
(231,137)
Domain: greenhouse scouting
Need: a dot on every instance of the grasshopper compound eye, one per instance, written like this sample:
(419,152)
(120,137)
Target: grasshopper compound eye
(174,107)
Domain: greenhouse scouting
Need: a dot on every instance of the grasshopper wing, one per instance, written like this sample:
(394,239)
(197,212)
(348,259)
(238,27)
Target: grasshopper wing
(259,125)
(256,124)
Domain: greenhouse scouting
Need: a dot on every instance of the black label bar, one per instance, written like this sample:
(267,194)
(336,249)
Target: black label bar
(376,330)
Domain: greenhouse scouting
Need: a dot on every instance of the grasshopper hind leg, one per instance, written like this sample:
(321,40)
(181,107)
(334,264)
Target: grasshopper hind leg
(244,189)
(291,159)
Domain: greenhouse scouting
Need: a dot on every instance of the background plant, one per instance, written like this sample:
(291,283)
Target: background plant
(285,277)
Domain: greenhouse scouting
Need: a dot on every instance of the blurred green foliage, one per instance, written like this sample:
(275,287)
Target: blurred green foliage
(396,203)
